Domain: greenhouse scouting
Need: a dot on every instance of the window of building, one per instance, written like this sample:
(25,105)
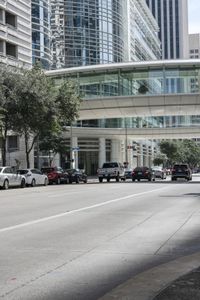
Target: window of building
(11,19)
(11,50)
(1,46)
(1,15)
(13,143)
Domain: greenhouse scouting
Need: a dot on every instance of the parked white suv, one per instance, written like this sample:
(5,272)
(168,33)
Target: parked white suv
(9,177)
(111,170)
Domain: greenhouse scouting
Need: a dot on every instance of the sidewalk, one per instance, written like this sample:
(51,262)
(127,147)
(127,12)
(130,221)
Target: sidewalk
(176,280)
(186,287)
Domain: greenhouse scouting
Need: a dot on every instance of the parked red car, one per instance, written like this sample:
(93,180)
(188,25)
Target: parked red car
(56,175)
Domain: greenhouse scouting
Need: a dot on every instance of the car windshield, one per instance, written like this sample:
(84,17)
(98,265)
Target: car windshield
(47,170)
(110,165)
(140,169)
(182,167)
(22,172)
(71,171)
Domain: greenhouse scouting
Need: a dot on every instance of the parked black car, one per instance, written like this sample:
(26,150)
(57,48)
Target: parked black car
(143,173)
(55,175)
(76,175)
(181,171)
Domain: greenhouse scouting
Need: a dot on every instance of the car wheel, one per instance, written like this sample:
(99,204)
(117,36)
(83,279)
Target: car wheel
(45,182)
(58,181)
(77,180)
(23,183)
(6,185)
(117,178)
(100,179)
(138,180)
(108,179)
(133,179)
(149,179)
(33,183)
(85,180)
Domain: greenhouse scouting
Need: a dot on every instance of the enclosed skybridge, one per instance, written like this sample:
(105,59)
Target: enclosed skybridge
(155,88)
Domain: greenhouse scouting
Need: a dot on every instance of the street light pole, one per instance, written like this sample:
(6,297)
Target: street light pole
(126,144)
(71,147)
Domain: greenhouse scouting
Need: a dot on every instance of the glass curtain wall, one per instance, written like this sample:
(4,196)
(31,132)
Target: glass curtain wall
(41,33)
(94,32)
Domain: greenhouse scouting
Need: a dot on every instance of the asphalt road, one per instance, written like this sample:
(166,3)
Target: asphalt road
(71,242)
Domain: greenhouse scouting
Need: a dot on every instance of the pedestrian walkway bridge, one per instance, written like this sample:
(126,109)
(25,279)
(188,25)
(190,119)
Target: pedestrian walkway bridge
(155,88)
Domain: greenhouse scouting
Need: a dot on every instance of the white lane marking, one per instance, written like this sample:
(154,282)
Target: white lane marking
(76,211)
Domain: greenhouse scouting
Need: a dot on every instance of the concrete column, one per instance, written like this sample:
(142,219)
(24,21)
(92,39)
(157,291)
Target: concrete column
(140,158)
(102,151)
(116,150)
(130,153)
(74,152)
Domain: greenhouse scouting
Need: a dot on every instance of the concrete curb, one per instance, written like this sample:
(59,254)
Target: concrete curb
(146,285)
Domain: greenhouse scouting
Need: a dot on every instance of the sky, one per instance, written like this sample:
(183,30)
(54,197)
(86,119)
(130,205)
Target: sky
(194,16)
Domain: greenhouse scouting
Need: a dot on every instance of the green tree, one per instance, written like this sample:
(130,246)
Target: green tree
(170,149)
(160,159)
(189,152)
(35,110)
(67,102)
(8,94)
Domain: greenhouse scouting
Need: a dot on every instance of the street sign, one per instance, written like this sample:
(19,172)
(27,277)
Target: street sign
(75,148)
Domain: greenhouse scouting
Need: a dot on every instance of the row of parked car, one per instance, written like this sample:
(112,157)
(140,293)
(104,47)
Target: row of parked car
(32,177)
(182,171)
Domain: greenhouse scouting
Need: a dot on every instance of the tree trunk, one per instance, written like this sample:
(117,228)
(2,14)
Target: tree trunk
(3,151)
(27,151)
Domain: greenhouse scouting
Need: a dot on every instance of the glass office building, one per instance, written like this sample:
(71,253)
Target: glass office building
(41,33)
(172,18)
(92,32)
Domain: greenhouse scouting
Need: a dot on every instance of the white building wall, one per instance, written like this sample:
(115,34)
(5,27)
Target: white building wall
(19,35)
(194,46)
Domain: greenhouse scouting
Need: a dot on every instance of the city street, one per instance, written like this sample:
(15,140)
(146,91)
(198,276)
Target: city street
(79,241)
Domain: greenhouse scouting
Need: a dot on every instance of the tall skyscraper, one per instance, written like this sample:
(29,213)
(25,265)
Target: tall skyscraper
(172,18)
(41,51)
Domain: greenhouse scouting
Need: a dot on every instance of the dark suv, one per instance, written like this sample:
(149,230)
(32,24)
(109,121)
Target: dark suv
(56,175)
(77,175)
(143,173)
(181,171)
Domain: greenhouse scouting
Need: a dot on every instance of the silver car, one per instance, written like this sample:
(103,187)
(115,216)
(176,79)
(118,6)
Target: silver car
(9,177)
(34,177)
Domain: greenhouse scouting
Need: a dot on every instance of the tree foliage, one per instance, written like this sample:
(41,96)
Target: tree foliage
(8,83)
(182,151)
(32,107)
(160,159)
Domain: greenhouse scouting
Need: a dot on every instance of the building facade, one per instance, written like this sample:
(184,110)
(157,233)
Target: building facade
(41,33)
(143,40)
(100,32)
(16,52)
(15,33)
(87,32)
(172,18)
(194,45)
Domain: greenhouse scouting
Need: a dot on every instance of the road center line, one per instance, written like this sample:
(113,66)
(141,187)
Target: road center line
(10,228)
